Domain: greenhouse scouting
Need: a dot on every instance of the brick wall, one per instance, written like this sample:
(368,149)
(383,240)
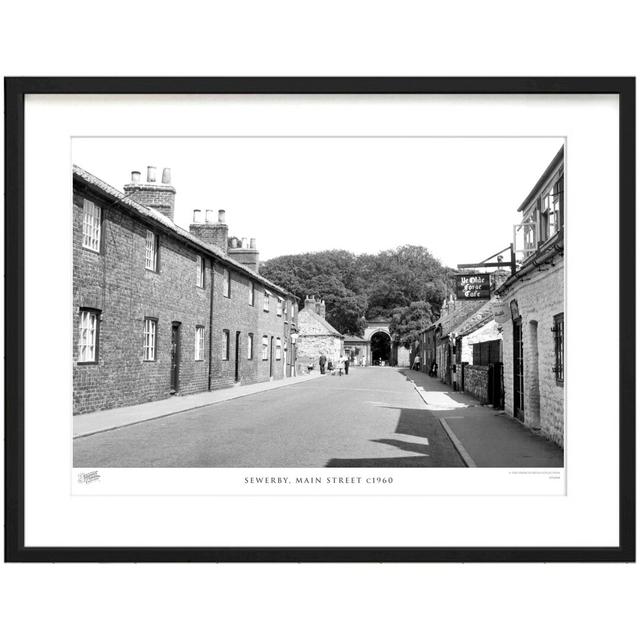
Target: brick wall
(539,298)
(115,282)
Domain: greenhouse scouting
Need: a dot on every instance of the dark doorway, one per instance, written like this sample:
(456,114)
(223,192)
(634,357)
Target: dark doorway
(496,390)
(237,375)
(380,348)
(518,371)
(271,358)
(175,357)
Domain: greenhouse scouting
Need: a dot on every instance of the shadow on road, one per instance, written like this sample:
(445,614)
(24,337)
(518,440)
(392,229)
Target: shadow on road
(436,449)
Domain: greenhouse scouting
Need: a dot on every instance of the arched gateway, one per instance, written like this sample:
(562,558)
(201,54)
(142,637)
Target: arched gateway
(376,346)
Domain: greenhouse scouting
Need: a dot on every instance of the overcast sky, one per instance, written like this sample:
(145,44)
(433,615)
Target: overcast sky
(456,196)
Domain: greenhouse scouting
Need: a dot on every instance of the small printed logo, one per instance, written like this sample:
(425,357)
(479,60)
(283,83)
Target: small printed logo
(90,476)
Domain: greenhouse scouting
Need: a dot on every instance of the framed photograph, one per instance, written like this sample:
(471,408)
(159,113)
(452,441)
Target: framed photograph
(320,319)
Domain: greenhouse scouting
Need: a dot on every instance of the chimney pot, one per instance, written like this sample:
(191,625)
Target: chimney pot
(166,175)
(244,244)
(135,177)
(252,243)
(209,216)
(221,216)
(197,215)
(151,174)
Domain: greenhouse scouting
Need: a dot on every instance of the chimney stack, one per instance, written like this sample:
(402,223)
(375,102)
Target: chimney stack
(210,231)
(161,197)
(244,252)
(320,308)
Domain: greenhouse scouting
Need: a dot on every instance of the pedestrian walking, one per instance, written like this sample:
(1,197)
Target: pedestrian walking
(330,367)
(416,363)
(323,362)
(346,366)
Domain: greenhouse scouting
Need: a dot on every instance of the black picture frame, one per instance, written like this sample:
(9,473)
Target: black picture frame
(15,91)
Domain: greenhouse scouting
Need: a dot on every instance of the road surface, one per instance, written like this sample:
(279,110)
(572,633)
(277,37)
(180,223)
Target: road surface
(371,418)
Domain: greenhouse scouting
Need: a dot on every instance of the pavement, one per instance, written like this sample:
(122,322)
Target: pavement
(484,436)
(371,418)
(90,423)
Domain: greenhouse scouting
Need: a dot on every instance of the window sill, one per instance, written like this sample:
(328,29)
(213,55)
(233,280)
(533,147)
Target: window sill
(84,363)
(96,251)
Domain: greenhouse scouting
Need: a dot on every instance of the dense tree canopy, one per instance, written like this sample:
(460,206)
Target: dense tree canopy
(368,286)
(407,322)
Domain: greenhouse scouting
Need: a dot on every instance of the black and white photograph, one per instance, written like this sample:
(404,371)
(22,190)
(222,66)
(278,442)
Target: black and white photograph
(313,302)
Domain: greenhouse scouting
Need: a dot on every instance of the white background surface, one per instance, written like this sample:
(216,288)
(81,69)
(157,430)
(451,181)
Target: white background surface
(54,517)
(334,38)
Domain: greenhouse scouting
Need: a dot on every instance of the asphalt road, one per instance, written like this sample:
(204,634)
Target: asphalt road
(371,418)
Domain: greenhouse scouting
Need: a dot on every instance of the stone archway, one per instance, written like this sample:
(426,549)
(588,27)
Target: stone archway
(380,347)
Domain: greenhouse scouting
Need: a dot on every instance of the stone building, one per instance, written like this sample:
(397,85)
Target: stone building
(316,336)
(158,310)
(465,344)
(532,313)
(479,357)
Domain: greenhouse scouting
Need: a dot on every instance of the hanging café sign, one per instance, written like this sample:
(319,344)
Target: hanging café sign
(473,286)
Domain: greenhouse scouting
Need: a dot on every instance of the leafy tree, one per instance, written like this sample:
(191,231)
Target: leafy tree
(407,322)
(367,285)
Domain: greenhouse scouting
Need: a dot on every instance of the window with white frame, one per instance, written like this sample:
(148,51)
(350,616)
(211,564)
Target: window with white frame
(552,211)
(265,303)
(199,271)
(279,307)
(91,221)
(150,337)
(250,347)
(226,283)
(88,336)
(265,347)
(278,349)
(151,251)
(225,344)
(252,294)
(199,346)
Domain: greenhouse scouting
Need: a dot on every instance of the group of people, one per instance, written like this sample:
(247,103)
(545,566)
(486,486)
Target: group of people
(342,365)
(433,369)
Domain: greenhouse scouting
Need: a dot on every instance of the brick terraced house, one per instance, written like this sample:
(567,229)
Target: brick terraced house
(533,310)
(158,310)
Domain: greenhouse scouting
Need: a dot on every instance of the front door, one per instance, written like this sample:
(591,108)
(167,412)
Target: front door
(237,377)
(175,357)
(271,358)
(518,371)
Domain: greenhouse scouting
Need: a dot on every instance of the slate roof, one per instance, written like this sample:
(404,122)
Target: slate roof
(355,339)
(170,226)
(319,320)
(481,317)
